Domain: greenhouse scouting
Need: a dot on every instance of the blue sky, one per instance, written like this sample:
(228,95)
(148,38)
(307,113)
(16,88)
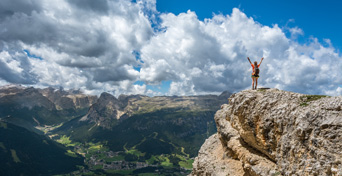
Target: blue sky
(171,47)
(321,19)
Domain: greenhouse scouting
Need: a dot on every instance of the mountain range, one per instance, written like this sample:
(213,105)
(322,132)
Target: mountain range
(123,135)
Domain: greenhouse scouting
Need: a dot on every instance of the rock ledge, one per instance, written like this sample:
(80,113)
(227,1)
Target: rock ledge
(274,132)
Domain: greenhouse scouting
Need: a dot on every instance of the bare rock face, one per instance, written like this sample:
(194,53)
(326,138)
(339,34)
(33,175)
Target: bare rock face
(21,97)
(71,99)
(273,132)
(105,111)
(212,160)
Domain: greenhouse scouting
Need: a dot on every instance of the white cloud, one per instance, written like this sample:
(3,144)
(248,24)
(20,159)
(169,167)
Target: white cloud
(82,44)
(216,47)
(9,62)
(210,56)
(90,46)
(15,67)
(296,31)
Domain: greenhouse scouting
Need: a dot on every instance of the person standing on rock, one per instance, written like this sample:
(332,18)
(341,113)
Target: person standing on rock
(255,73)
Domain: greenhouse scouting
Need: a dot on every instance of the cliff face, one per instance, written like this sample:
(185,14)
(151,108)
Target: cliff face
(106,110)
(71,99)
(20,97)
(273,132)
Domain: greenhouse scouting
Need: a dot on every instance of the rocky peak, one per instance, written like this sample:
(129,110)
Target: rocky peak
(108,100)
(106,111)
(226,94)
(274,132)
(10,89)
(71,99)
(107,97)
(22,97)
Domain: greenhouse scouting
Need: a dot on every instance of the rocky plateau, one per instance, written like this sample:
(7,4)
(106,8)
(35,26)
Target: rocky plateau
(269,132)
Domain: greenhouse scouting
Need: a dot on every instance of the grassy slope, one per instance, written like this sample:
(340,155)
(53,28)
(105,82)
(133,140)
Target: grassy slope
(187,129)
(25,153)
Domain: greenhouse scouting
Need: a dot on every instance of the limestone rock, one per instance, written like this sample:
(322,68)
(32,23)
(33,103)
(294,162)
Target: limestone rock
(20,97)
(273,132)
(71,99)
(212,160)
(105,111)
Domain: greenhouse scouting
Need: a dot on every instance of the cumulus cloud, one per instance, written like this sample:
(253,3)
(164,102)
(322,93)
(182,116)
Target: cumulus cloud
(98,6)
(82,44)
(15,68)
(210,56)
(9,8)
(207,56)
(94,47)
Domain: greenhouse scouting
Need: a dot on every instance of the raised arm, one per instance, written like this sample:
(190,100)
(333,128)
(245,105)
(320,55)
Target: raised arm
(260,62)
(249,60)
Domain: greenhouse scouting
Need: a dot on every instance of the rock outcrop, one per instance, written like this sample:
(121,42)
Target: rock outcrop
(105,111)
(68,99)
(273,132)
(21,97)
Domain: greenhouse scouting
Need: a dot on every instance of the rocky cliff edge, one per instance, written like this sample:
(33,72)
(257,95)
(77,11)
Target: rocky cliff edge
(272,132)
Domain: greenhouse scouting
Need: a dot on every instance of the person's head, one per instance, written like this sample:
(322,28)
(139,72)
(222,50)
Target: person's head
(255,63)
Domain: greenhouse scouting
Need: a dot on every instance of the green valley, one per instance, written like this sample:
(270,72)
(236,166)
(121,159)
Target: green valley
(26,153)
(155,140)
(128,135)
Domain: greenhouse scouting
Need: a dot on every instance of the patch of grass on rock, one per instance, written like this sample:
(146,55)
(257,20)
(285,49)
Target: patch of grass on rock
(309,98)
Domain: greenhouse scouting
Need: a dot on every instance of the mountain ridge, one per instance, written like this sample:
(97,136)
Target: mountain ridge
(109,109)
(109,112)
(130,131)
(29,107)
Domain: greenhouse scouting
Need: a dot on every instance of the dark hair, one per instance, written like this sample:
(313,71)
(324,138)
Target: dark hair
(255,63)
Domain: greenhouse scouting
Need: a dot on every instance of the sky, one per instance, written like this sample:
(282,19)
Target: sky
(163,47)
(319,19)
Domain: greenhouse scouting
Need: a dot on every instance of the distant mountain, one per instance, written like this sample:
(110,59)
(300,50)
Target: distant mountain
(109,109)
(29,107)
(72,100)
(172,123)
(26,153)
(106,111)
(130,134)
